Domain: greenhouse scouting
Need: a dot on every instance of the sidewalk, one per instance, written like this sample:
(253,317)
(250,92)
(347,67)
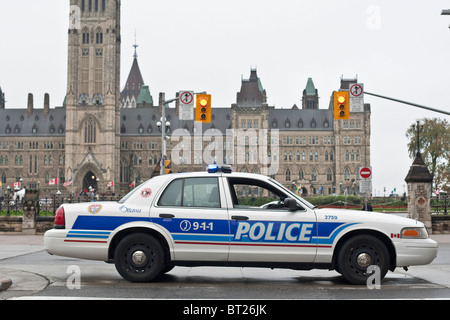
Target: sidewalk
(13,246)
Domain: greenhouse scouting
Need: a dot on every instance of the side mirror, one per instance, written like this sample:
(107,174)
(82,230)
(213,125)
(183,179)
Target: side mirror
(291,204)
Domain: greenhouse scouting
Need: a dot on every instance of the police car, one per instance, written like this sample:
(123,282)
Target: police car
(219,218)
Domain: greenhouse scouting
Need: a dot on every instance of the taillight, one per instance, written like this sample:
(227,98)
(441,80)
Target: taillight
(60,220)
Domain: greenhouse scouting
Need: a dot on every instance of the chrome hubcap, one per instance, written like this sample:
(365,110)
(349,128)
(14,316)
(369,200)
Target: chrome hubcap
(139,258)
(364,260)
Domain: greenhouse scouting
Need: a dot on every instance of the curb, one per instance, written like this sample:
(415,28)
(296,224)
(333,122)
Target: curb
(5,283)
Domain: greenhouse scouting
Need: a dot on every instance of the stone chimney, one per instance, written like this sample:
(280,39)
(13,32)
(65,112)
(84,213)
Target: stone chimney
(30,104)
(46,103)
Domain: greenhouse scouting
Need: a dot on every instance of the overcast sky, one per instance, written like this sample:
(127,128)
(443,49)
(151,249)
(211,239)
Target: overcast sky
(396,48)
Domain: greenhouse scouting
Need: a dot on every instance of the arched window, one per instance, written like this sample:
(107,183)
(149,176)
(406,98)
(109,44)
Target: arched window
(85,36)
(99,36)
(314,175)
(124,172)
(90,131)
(347,174)
(329,175)
(288,175)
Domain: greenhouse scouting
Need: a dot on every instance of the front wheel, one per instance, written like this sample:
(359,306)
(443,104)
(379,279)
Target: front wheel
(358,254)
(139,258)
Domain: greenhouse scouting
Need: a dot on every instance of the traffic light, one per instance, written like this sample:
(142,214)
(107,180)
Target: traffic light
(341,105)
(203,108)
(168,166)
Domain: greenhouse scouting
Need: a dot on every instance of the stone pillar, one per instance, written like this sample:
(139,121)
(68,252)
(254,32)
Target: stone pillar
(30,212)
(419,182)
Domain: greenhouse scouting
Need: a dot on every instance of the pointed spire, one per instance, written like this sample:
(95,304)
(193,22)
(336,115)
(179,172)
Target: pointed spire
(135,46)
(310,89)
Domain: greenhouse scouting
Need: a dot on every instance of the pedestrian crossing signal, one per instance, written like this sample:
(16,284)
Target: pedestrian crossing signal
(203,108)
(341,105)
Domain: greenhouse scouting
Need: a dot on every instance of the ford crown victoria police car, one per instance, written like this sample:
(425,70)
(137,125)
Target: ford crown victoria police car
(219,218)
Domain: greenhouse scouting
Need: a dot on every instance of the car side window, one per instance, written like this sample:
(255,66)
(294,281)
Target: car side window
(172,195)
(201,192)
(255,194)
(192,192)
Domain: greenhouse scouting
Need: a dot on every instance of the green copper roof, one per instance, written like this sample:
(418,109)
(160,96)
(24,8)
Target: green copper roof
(310,89)
(145,96)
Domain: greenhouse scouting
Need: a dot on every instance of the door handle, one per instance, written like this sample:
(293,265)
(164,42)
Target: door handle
(239,218)
(166,216)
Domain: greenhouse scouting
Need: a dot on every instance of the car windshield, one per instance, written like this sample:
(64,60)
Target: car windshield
(309,205)
(129,194)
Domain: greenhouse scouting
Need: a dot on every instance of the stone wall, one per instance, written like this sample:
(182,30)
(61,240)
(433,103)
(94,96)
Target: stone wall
(15,225)
(441,224)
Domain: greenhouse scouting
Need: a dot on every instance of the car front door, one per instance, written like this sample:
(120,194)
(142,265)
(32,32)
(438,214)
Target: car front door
(193,212)
(262,229)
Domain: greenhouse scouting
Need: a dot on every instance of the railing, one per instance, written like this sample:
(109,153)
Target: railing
(49,205)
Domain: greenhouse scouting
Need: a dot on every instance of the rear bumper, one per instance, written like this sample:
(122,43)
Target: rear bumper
(415,252)
(57,242)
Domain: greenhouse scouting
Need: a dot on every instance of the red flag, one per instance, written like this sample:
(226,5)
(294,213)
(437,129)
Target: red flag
(53,182)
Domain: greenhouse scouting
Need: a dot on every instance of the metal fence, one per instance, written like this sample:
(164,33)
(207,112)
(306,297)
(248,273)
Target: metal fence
(49,205)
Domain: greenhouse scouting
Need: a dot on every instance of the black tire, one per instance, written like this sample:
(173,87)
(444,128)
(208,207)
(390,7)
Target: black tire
(360,252)
(139,258)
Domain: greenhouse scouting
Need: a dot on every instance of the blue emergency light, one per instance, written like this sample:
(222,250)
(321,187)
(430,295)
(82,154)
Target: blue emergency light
(213,168)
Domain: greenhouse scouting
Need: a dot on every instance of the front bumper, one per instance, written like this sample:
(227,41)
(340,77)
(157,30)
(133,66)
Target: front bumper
(415,252)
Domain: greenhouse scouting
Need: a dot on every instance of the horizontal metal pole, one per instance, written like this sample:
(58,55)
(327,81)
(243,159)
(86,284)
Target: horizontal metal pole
(409,103)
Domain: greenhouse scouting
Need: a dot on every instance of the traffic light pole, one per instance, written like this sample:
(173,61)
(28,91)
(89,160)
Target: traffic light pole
(409,103)
(163,104)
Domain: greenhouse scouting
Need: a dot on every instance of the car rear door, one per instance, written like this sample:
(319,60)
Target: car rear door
(262,229)
(193,211)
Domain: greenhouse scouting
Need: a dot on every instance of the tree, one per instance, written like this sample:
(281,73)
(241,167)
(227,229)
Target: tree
(434,145)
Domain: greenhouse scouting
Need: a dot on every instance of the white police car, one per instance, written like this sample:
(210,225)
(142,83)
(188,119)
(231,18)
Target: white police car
(218,218)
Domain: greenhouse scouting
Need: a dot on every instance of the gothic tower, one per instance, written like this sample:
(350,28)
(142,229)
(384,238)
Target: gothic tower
(93,94)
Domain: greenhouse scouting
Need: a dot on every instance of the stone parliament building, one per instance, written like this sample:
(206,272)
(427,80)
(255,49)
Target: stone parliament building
(106,137)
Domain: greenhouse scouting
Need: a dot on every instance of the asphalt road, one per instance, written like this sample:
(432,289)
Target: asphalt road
(38,275)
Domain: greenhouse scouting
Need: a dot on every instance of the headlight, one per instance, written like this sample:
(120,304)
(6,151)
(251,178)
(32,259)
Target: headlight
(414,233)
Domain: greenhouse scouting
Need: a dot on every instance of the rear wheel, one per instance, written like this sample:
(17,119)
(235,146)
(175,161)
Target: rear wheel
(139,258)
(358,254)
